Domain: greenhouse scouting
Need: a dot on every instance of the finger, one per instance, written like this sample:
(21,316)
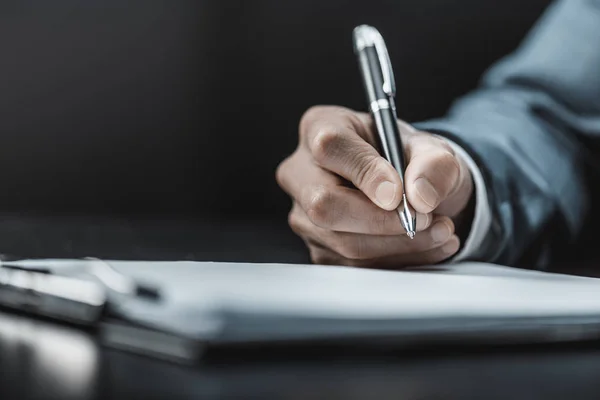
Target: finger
(428,257)
(324,256)
(298,171)
(360,246)
(432,174)
(358,122)
(332,136)
(331,205)
(343,209)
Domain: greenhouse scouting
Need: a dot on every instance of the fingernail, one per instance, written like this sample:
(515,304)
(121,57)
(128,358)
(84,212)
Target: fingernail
(427,192)
(423,221)
(440,232)
(386,193)
(451,247)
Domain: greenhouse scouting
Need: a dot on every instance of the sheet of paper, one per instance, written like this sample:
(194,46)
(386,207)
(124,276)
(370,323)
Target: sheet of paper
(469,288)
(279,299)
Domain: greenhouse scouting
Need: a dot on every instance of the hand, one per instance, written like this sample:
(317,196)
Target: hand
(345,195)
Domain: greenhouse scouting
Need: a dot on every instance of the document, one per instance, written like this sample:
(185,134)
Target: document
(262,302)
(224,303)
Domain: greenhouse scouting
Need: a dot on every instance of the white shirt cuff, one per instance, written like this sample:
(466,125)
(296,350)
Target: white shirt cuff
(482,220)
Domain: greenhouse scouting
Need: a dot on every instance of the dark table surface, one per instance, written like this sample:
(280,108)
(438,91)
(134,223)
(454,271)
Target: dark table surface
(40,360)
(43,360)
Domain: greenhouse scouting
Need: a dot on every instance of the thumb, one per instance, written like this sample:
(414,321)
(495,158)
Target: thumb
(351,157)
(376,178)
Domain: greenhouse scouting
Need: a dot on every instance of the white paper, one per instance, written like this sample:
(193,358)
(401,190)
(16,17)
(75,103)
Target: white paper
(279,300)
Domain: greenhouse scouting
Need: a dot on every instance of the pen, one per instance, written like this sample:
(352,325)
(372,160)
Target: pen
(378,80)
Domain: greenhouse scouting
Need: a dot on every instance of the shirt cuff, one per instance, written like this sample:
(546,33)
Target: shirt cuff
(482,220)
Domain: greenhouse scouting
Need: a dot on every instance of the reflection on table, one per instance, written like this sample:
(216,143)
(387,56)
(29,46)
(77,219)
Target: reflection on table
(42,360)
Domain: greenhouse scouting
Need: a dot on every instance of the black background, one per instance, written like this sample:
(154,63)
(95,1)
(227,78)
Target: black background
(152,128)
(158,108)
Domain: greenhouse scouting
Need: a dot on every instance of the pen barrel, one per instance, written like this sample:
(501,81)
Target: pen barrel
(388,138)
(382,109)
(379,84)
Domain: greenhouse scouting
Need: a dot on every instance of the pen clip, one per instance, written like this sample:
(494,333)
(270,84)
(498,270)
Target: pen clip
(368,36)
(389,85)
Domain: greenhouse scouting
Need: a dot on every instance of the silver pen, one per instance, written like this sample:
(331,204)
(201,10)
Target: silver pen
(378,80)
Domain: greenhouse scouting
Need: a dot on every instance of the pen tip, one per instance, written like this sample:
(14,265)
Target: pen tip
(411,234)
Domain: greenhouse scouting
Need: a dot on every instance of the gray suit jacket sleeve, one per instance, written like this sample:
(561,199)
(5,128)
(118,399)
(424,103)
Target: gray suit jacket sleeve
(531,127)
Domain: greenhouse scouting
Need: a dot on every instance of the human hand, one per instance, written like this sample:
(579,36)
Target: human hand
(345,195)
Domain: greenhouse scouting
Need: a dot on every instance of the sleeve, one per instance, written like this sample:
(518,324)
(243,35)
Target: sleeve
(482,217)
(532,128)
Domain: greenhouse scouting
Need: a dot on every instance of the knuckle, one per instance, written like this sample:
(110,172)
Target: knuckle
(355,123)
(315,111)
(326,143)
(294,223)
(384,222)
(444,145)
(312,114)
(287,168)
(309,115)
(281,171)
(320,206)
(366,169)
